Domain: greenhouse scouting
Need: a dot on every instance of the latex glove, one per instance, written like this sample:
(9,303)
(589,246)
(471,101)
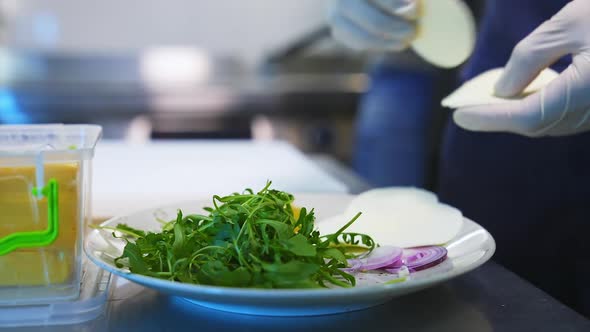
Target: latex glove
(375,25)
(563,106)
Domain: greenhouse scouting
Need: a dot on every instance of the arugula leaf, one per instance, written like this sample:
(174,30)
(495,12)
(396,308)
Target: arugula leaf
(300,246)
(245,239)
(282,230)
(293,273)
(333,253)
(136,263)
(179,237)
(216,273)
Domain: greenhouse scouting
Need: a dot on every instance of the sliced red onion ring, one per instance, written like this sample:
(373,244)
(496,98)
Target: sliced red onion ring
(379,258)
(397,264)
(421,258)
(398,270)
(354,266)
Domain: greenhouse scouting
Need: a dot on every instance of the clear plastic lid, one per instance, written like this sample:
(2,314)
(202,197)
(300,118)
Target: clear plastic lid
(69,141)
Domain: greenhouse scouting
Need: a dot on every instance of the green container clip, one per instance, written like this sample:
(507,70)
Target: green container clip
(42,238)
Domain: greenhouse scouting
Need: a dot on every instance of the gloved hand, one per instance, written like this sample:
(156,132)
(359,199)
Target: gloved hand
(563,106)
(374,25)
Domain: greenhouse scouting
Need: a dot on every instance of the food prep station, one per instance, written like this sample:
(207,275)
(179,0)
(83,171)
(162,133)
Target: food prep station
(181,124)
(489,298)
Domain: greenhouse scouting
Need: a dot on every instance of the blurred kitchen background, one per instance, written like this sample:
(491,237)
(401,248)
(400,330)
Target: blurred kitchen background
(223,69)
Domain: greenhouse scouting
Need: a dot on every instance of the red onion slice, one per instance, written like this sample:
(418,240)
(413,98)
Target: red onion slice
(397,264)
(379,258)
(353,266)
(421,258)
(402,269)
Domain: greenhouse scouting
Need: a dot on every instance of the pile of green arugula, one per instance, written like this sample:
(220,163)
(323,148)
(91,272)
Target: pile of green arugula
(246,240)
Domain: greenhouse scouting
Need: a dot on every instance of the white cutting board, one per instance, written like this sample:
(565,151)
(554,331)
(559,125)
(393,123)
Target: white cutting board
(130,177)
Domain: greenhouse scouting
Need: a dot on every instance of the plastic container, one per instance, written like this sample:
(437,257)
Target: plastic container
(45,173)
(85,310)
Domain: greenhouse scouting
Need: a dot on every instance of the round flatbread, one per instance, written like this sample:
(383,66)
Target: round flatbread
(479,90)
(402,217)
(446,32)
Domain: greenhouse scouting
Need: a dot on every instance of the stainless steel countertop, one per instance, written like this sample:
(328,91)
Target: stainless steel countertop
(490,298)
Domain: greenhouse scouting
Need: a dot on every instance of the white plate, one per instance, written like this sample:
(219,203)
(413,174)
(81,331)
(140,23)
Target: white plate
(472,247)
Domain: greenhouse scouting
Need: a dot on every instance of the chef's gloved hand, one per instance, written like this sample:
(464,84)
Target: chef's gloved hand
(563,106)
(374,25)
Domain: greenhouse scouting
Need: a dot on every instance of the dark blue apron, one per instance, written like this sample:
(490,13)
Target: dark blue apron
(532,194)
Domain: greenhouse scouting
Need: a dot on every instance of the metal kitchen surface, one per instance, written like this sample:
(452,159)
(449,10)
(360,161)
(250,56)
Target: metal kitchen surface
(186,93)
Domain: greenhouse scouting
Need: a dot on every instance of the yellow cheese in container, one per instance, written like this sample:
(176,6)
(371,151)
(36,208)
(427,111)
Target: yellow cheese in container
(45,188)
(23,212)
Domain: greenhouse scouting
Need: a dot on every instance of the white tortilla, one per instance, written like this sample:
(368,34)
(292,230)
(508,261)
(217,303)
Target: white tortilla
(395,195)
(480,89)
(403,217)
(446,32)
